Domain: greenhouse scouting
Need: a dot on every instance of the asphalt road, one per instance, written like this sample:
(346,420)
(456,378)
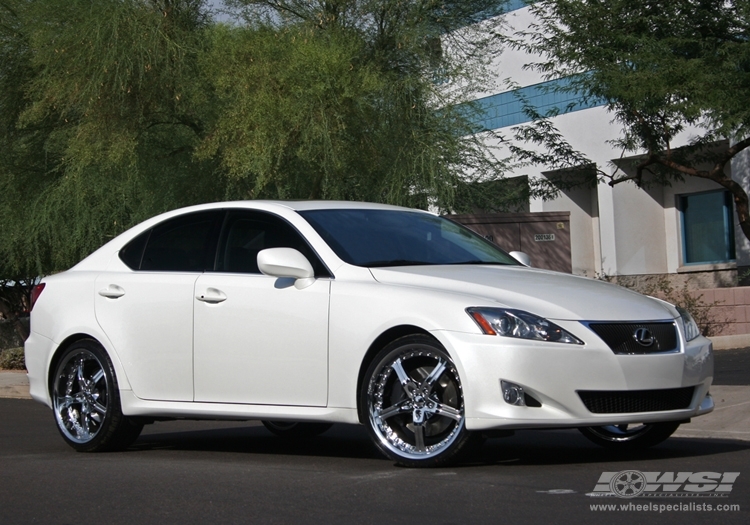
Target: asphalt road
(732,367)
(201,472)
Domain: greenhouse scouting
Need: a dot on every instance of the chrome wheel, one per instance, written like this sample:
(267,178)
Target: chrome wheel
(80,396)
(86,401)
(630,436)
(414,403)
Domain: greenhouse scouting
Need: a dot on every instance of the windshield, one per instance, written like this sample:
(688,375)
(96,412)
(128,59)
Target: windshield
(377,238)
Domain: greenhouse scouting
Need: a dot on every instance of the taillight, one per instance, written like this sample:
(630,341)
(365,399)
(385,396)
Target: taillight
(35,293)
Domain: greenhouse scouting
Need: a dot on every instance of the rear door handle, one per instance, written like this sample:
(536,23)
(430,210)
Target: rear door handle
(112,292)
(212,296)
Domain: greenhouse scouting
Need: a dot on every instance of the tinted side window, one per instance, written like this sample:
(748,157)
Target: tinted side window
(247,233)
(132,252)
(183,244)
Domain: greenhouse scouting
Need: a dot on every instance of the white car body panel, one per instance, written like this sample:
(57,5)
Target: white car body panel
(274,355)
(235,411)
(542,292)
(358,322)
(554,375)
(68,313)
(152,324)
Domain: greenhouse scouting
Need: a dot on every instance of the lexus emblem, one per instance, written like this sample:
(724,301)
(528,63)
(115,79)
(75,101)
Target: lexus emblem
(643,337)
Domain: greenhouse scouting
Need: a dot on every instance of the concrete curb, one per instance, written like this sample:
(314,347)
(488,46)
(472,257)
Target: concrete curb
(729,342)
(14,384)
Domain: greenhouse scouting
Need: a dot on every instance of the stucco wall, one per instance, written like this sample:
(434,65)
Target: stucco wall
(731,308)
(581,204)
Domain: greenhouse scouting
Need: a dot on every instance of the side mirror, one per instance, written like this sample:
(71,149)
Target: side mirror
(288,263)
(521,257)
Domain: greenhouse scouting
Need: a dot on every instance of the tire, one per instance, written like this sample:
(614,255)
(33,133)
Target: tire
(630,437)
(296,429)
(412,403)
(86,401)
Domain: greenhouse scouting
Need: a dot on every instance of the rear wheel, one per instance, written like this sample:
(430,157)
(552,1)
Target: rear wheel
(631,436)
(86,401)
(296,429)
(413,405)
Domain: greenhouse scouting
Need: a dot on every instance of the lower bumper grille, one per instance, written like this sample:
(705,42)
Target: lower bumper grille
(627,401)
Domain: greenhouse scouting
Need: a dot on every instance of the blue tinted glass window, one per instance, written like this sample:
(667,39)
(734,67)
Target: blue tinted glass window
(707,227)
(505,109)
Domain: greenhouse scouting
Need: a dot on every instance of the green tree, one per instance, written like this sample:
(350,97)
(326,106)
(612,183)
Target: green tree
(96,133)
(114,110)
(351,99)
(660,67)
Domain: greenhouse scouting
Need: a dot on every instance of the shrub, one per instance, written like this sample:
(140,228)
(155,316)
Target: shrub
(706,315)
(12,359)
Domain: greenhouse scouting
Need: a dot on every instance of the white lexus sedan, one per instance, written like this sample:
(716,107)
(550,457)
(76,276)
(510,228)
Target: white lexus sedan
(304,314)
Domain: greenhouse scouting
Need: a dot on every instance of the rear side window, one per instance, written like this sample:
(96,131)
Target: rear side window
(132,253)
(182,244)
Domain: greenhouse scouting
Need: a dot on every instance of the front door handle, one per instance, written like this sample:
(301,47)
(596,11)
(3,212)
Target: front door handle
(212,296)
(112,292)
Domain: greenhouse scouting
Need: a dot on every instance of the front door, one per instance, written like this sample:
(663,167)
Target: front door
(265,343)
(258,339)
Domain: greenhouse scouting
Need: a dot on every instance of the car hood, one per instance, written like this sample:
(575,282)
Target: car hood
(550,294)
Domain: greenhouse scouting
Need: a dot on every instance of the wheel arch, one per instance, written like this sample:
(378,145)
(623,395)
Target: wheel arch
(377,345)
(64,345)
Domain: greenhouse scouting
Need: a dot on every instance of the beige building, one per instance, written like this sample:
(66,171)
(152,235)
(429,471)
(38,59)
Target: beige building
(686,233)
(686,230)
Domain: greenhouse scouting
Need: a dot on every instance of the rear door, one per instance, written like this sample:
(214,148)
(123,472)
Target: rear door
(147,313)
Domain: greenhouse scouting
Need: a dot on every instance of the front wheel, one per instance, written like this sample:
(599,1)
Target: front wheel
(86,401)
(630,437)
(412,404)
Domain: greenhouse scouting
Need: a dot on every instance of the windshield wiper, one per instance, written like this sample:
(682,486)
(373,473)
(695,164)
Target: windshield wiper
(395,262)
(477,261)
(409,262)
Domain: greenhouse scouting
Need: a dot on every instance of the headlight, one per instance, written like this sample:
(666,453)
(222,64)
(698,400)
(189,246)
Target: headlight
(517,323)
(688,323)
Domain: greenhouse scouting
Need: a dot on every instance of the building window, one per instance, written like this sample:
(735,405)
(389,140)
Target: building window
(507,108)
(707,227)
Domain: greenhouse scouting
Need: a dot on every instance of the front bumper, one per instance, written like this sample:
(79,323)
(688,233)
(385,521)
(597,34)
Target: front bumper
(554,373)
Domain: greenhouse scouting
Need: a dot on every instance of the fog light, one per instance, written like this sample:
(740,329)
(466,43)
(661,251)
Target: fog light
(513,394)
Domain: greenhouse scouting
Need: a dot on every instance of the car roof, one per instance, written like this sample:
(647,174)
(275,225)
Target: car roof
(312,205)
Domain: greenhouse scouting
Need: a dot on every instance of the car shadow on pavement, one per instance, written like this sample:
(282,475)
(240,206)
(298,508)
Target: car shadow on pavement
(556,447)
(540,447)
(344,441)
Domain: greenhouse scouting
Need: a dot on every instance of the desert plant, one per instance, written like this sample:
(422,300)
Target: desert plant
(12,359)
(708,317)
(706,314)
